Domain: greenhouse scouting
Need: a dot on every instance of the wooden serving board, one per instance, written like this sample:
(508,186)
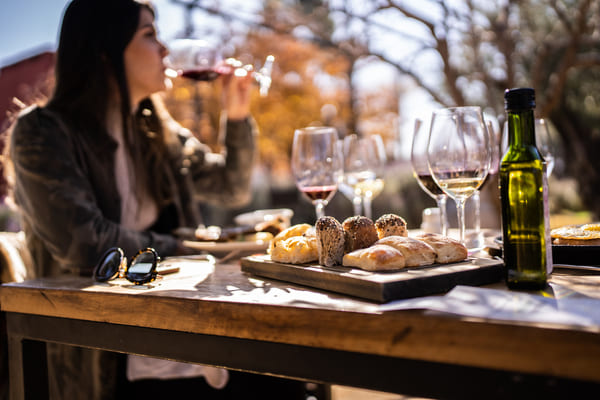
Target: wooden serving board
(380,286)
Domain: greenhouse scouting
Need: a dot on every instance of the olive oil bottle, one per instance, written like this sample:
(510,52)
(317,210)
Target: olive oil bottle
(523,194)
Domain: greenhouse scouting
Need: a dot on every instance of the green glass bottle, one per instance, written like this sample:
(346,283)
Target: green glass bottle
(523,194)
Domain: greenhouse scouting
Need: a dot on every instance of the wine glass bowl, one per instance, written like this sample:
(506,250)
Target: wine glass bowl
(420,167)
(543,142)
(317,164)
(200,60)
(364,162)
(458,154)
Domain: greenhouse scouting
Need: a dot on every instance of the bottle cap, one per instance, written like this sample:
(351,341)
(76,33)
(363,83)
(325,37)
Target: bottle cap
(519,99)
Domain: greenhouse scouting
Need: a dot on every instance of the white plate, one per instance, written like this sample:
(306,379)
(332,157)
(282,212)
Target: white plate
(255,245)
(255,217)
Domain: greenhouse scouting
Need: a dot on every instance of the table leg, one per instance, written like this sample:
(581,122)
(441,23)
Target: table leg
(28,368)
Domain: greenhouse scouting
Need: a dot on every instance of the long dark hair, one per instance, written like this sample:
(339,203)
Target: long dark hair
(89,60)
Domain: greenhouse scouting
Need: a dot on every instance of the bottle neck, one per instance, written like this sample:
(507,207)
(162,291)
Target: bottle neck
(521,128)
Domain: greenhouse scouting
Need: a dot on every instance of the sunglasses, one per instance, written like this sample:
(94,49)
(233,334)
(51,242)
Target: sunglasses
(140,270)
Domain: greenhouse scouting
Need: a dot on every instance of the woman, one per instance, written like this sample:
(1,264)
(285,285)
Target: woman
(103,165)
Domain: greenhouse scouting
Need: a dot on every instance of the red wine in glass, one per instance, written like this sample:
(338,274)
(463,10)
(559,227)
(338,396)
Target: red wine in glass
(201,74)
(319,192)
(427,183)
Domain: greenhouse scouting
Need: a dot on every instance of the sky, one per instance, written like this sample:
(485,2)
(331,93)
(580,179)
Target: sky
(26,26)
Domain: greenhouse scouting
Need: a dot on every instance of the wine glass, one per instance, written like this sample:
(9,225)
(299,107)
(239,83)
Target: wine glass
(543,141)
(317,164)
(364,162)
(354,165)
(199,60)
(420,167)
(495,156)
(377,159)
(458,154)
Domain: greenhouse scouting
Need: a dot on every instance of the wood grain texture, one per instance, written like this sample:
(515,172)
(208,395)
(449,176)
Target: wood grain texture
(224,301)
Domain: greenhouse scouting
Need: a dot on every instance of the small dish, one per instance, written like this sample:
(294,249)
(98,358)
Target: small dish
(255,217)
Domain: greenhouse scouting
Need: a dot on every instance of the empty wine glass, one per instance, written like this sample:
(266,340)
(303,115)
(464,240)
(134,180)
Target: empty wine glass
(420,167)
(543,141)
(201,61)
(458,154)
(317,164)
(494,137)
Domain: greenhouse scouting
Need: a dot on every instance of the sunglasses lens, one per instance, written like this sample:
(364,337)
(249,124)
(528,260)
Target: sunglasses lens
(108,267)
(143,267)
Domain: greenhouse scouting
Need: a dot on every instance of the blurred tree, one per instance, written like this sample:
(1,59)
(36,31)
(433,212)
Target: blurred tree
(467,52)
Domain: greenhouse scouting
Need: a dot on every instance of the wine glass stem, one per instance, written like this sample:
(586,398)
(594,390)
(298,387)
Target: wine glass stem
(357,203)
(460,210)
(367,207)
(441,203)
(477,201)
(320,208)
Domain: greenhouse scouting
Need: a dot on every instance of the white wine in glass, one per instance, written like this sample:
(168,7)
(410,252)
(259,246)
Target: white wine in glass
(458,154)
(317,164)
(364,163)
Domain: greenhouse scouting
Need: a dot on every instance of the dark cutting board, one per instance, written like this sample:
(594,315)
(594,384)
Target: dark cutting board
(380,286)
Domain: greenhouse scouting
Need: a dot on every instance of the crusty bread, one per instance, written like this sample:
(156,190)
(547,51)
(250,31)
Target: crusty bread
(359,233)
(330,241)
(295,245)
(577,235)
(295,250)
(416,252)
(375,258)
(447,249)
(390,225)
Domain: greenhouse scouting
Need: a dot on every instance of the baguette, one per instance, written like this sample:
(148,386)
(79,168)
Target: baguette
(447,250)
(378,257)
(416,252)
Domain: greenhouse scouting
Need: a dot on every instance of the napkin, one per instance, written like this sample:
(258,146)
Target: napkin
(139,367)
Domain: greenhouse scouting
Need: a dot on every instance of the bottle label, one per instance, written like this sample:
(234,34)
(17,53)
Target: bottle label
(549,266)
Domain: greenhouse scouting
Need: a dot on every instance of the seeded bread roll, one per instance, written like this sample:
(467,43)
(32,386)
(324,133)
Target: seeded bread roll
(416,252)
(330,241)
(390,225)
(359,233)
(447,249)
(378,257)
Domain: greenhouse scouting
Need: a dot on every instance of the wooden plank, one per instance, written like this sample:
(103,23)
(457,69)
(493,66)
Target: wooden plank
(232,304)
(380,286)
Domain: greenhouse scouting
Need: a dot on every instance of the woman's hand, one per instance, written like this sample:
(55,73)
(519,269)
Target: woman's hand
(236,92)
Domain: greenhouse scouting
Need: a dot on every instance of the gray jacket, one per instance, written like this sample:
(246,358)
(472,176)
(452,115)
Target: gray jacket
(68,199)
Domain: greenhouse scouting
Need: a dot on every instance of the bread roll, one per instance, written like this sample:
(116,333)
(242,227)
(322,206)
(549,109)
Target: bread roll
(390,225)
(330,241)
(359,233)
(295,245)
(416,252)
(447,249)
(295,250)
(378,257)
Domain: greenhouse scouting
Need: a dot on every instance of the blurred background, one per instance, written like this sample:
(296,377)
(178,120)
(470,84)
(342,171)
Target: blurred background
(366,68)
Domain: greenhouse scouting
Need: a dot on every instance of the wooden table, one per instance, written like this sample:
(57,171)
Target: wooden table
(223,317)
